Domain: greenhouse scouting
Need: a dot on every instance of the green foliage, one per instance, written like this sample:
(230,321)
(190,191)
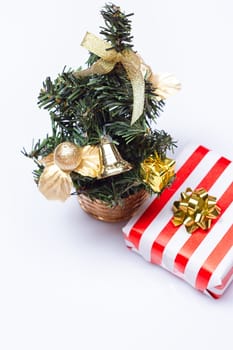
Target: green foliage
(82,109)
(117,28)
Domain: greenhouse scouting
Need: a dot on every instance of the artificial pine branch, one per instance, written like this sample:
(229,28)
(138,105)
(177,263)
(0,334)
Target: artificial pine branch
(117,28)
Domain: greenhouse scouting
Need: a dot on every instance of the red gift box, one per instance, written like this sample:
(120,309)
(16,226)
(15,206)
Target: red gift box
(204,259)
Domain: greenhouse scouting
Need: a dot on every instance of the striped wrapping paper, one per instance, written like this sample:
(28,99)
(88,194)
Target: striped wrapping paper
(204,259)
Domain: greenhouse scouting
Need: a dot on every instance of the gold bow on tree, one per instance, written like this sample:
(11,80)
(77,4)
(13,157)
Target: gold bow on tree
(55,182)
(108,59)
(135,68)
(195,209)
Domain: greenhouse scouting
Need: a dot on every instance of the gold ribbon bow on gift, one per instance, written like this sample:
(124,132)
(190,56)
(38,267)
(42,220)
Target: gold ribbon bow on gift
(135,68)
(55,181)
(195,209)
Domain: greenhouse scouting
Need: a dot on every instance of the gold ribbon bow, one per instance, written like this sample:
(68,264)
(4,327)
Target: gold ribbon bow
(108,59)
(157,172)
(55,182)
(195,209)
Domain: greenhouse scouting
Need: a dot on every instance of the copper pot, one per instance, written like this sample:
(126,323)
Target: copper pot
(102,211)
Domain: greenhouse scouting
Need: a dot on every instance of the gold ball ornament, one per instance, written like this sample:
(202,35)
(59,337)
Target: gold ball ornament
(67,156)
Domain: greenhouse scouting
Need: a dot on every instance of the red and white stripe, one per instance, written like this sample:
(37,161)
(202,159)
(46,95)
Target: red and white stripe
(203,259)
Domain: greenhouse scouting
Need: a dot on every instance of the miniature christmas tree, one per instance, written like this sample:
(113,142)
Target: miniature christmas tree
(104,141)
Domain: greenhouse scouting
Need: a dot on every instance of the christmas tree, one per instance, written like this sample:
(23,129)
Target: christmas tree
(111,106)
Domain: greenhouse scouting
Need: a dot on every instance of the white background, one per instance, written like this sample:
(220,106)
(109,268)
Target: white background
(67,281)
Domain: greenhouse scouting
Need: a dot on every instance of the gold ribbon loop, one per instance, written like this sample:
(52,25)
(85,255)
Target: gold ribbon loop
(108,59)
(99,67)
(195,209)
(99,47)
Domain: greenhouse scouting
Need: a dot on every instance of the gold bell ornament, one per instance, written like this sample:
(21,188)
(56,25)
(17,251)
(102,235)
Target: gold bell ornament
(111,161)
(95,161)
